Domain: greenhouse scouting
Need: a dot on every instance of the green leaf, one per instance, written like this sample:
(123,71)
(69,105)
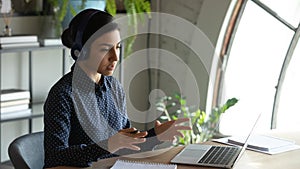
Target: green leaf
(229,103)
(147,8)
(111,7)
(177,96)
(72,10)
(63,10)
(182,101)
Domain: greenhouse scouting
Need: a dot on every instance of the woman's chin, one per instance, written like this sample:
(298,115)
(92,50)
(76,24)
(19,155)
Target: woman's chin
(108,73)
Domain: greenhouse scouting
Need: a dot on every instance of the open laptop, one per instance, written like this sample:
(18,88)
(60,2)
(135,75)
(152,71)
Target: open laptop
(220,156)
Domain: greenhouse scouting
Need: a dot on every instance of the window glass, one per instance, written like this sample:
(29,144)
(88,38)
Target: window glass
(288,10)
(254,64)
(288,114)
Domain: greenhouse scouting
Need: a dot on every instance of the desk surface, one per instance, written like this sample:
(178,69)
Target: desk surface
(249,160)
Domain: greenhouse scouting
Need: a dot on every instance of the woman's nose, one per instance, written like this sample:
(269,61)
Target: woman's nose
(114,54)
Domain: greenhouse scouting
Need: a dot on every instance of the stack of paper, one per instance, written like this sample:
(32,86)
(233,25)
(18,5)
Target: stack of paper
(261,143)
(18,41)
(50,42)
(14,103)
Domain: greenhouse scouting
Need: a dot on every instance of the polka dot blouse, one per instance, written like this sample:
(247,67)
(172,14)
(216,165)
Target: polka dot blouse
(77,115)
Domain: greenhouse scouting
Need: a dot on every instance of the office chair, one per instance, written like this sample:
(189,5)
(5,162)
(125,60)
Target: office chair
(27,151)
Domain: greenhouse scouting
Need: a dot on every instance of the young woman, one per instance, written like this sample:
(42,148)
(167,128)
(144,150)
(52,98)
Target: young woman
(85,112)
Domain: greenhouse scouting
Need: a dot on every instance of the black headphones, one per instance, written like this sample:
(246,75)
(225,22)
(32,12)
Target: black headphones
(77,46)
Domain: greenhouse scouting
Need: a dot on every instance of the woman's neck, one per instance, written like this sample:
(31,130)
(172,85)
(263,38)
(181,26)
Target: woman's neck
(94,75)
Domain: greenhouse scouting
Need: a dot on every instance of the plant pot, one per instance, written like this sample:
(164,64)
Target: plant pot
(51,28)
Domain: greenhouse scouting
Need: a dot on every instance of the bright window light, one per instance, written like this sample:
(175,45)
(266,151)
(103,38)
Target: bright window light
(252,72)
(288,114)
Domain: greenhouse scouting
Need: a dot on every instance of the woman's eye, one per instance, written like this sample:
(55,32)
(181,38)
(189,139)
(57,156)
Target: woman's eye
(104,49)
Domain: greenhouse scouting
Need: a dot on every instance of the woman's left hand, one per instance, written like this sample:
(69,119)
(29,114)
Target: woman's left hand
(169,130)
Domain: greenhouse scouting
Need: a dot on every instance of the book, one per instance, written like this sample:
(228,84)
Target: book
(19,45)
(14,94)
(126,164)
(16,114)
(50,42)
(14,102)
(261,142)
(18,39)
(9,109)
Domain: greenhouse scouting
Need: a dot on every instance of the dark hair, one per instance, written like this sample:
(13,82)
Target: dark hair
(85,24)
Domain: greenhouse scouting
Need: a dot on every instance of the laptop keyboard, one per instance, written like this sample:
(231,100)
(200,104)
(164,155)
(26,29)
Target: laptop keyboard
(219,155)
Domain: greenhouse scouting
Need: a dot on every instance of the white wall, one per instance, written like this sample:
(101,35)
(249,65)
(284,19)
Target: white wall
(208,16)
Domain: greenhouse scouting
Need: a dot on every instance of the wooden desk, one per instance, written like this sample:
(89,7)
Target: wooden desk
(250,159)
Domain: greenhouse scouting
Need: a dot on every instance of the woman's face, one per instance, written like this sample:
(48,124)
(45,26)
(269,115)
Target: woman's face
(104,53)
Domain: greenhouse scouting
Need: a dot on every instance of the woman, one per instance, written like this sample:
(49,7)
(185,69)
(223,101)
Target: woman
(85,112)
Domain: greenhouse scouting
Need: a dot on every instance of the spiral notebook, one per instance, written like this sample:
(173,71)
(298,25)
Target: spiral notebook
(126,164)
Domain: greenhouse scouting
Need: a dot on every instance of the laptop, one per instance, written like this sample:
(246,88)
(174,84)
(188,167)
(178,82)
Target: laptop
(219,156)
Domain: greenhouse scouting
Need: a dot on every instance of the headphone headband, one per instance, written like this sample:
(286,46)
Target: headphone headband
(76,48)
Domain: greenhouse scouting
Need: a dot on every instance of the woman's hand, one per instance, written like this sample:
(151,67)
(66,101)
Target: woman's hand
(169,130)
(126,138)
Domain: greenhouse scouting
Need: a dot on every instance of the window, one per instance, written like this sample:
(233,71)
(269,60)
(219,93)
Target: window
(254,63)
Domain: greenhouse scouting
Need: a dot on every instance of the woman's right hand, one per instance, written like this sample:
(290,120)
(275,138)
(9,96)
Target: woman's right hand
(126,138)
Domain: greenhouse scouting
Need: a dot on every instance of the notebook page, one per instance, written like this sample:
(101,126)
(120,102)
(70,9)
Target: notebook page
(124,164)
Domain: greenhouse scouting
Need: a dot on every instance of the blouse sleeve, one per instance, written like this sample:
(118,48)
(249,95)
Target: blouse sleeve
(57,122)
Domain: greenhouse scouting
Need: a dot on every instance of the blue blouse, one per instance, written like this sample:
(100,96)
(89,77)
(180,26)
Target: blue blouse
(72,136)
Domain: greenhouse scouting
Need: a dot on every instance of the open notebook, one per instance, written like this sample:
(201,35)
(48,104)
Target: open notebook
(125,164)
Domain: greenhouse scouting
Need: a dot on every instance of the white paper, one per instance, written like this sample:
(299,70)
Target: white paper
(279,149)
(123,164)
(261,142)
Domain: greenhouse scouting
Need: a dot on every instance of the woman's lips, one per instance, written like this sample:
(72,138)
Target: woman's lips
(111,67)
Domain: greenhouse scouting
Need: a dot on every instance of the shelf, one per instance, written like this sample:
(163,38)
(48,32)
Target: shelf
(37,111)
(6,165)
(26,49)
(36,108)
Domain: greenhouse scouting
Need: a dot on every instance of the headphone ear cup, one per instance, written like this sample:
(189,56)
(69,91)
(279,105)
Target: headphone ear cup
(75,51)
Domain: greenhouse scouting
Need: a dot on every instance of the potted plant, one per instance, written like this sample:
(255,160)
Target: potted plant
(204,126)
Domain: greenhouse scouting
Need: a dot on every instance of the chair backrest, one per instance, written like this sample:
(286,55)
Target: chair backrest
(27,151)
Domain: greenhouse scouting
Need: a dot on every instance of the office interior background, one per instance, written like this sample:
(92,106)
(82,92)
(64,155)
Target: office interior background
(255,60)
